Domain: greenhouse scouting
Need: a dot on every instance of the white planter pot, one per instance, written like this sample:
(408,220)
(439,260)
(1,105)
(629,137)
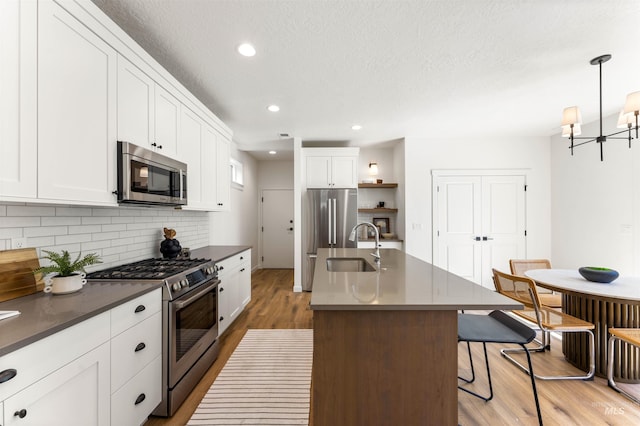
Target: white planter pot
(65,285)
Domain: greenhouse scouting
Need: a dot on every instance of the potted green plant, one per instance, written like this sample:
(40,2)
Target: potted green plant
(69,275)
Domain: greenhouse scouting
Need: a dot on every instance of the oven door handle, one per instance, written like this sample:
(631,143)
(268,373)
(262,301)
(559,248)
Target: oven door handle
(195,296)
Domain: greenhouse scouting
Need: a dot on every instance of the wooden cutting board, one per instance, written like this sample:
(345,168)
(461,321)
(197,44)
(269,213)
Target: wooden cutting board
(16,273)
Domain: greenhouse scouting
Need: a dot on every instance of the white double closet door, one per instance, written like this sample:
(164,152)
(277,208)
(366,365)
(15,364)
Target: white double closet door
(479,222)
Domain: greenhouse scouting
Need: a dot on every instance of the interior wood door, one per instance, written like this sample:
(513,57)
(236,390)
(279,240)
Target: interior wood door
(277,228)
(479,224)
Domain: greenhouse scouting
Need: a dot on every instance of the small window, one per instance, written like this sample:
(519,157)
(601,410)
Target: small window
(237,178)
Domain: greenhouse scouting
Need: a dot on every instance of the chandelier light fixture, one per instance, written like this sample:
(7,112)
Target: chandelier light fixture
(627,120)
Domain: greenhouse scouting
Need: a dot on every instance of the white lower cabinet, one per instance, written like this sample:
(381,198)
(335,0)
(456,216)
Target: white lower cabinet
(234,290)
(76,394)
(103,371)
(133,402)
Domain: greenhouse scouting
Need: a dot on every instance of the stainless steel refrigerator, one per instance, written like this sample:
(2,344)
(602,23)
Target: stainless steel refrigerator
(329,216)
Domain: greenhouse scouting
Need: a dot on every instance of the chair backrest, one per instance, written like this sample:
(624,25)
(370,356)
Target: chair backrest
(517,287)
(520,266)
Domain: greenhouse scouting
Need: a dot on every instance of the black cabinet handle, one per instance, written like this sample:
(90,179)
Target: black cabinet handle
(290,229)
(140,398)
(8,374)
(22,413)
(242,270)
(221,289)
(221,318)
(156,145)
(221,268)
(241,258)
(140,347)
(140,308)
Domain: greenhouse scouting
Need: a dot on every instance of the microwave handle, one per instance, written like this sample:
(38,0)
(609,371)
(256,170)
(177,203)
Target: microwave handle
(182,188)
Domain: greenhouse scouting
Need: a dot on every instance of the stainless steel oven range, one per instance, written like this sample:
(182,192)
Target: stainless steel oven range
(189,317)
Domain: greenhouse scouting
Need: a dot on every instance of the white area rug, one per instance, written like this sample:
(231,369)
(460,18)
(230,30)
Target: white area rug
(266,381)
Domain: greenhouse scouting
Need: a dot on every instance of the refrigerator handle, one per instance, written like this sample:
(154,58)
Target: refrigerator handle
(329,221)
(335,201)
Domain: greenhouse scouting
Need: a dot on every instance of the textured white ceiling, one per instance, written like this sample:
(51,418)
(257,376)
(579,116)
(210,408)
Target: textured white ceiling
(418,68)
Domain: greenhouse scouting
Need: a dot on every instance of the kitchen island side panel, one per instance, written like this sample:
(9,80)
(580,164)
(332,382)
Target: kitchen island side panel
(384,367)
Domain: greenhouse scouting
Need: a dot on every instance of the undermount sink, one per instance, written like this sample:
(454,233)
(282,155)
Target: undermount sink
(349,264)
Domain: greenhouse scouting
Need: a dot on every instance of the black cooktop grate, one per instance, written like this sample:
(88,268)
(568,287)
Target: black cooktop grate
(148,269)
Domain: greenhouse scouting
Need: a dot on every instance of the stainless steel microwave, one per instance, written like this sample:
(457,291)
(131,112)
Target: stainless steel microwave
(146,177)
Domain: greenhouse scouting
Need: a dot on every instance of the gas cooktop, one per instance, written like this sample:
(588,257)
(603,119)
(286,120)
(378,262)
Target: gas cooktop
(148,269)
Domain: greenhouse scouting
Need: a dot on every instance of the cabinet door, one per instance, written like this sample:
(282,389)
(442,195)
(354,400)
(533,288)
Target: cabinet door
(344,172)
(76,110)
(207,168)
(228,297)
(167,113)
(18,86)
(135,104)
(189,150)
(223,174)
(76,394)
(244,280)
(318,172)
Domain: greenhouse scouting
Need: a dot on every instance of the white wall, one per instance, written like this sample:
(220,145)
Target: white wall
(239,226)
(119,234)
(596,205)
(421,156)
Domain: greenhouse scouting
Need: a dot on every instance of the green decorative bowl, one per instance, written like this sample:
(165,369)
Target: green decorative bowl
(598,275)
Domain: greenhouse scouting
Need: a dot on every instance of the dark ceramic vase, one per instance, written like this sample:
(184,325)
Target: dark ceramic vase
(170,249)
(598,275)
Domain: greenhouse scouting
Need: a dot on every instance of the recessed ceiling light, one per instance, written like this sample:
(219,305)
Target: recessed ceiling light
(273,108)
(356,127)
(245,49)
(272,152)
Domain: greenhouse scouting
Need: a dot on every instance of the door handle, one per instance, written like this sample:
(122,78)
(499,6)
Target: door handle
(476,238)
(485,238)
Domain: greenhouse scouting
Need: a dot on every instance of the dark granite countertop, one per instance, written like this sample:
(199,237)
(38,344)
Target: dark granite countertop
(217,253)
(43,314)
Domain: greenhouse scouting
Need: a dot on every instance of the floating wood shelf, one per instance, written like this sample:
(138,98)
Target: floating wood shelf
(377,185)
(378,210)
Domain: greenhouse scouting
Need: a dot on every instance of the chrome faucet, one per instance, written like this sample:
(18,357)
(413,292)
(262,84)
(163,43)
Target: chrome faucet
(352,237)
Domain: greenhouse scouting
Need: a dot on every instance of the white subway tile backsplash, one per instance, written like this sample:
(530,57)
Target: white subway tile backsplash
(73,211)
(84,229)
(44,231)
(119,235)
(19,222)
(96,220)
(6,233)
(55,220)
(114,228)
(23,211)
(76,238)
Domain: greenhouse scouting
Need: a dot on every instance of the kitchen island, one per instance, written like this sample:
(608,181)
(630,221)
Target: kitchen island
(385,342)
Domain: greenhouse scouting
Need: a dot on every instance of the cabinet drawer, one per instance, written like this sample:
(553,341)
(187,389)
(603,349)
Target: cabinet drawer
(233,261)
(126,407)
(131,313)
(133,349)
(46,355)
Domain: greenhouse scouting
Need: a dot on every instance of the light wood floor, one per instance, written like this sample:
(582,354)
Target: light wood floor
(274,305)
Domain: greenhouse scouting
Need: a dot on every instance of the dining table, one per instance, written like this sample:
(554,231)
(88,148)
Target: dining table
(606,305)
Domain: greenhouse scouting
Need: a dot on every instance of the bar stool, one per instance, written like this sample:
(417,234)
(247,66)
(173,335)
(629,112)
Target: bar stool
(497,327)
(630,336)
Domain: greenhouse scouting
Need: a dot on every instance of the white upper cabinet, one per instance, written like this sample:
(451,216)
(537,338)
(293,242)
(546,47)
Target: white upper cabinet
(206,153)
(135,104)
(76,110)
(18,110)
(167,115)
(189,151)
(331,167)
(147,113)
(223,174)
